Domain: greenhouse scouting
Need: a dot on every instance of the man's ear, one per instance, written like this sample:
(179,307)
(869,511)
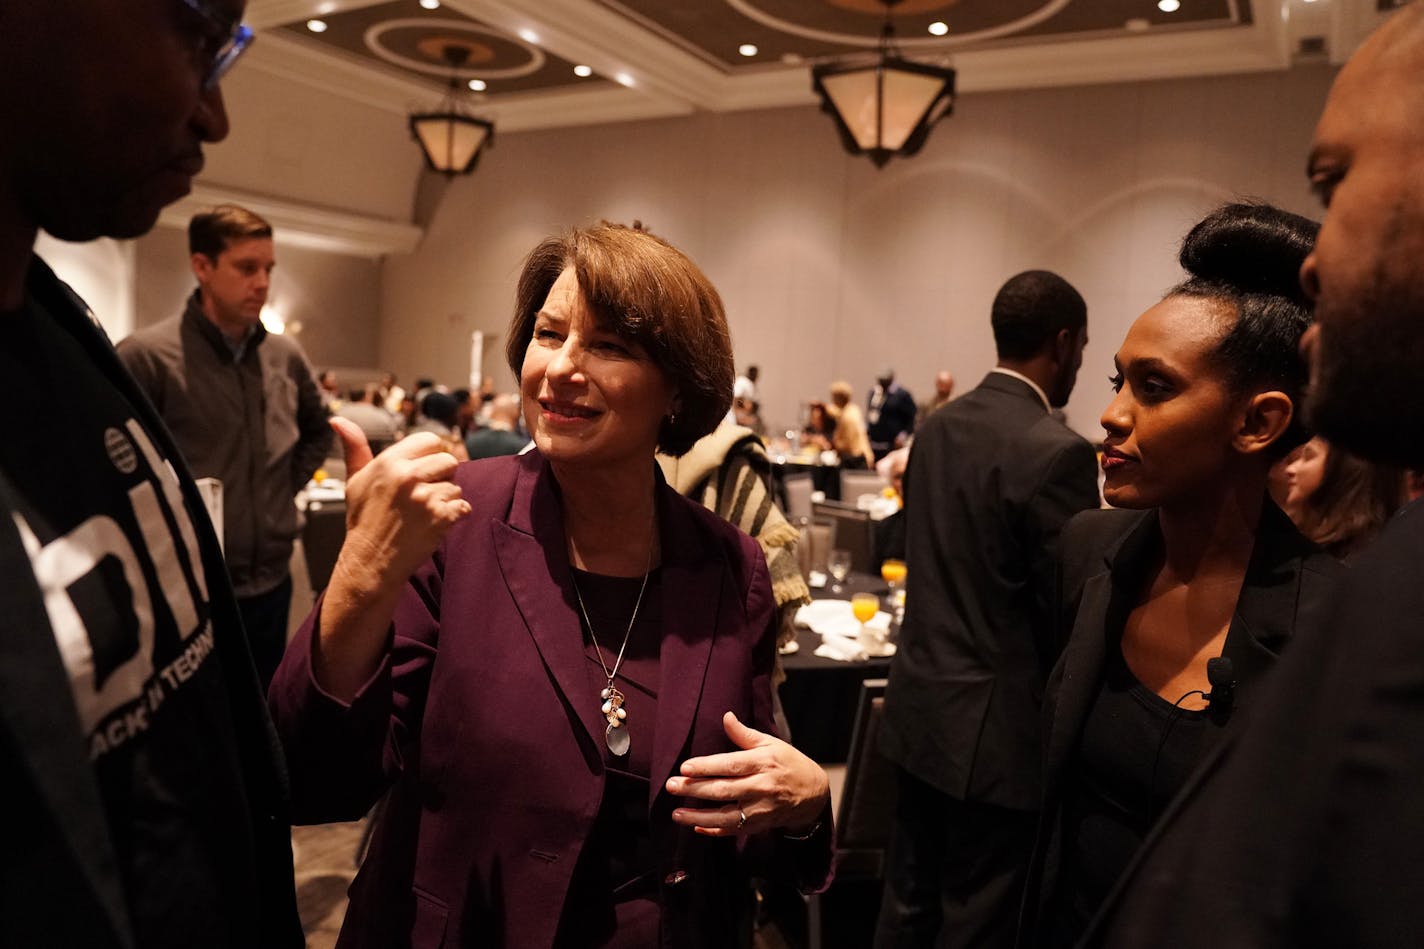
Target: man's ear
(1264,419)
(202,266)
(1063,343)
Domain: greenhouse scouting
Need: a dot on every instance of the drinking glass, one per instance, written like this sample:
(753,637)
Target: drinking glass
(838,565)
(865,606)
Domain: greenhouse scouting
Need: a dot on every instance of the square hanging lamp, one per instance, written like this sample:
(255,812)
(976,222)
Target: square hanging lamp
(450,137)
(886,107)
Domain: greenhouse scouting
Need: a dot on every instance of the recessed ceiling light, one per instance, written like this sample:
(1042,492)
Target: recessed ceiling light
(1137,25)
(792,59)
(748,49)
(624,79)
(430,4)
(938,28)
(316,26)
(528,35)
(583,72)
(478,85)
(1169,6)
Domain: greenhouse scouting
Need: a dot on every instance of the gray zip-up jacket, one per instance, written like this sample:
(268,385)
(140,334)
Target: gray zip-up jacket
(255,421)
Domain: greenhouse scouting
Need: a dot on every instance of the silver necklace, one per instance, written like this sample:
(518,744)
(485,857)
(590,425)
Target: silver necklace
(616,734)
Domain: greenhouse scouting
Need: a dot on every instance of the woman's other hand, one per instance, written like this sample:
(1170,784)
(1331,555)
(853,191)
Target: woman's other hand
(768,781)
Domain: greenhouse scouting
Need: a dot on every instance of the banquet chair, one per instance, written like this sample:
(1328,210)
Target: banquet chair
(856,483)
(852,532)
(798,495)
(864,810)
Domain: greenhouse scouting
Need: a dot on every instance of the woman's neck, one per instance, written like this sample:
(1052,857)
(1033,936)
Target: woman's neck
(610,519)
(1212,535)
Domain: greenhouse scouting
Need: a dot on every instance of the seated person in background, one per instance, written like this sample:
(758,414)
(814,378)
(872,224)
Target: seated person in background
(440,415)
(890,531)
(943,392)
(364,408)
(500,436)
(562,769)
(1337,500)
(820,427)
(1198,563)
(849,440)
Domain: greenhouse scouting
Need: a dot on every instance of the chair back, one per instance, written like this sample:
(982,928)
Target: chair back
(852,532)
(798,495)
(856,483)
(867,806)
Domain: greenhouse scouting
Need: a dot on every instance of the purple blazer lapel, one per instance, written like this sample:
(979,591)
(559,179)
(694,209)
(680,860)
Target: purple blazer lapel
(532,557)
(691,600)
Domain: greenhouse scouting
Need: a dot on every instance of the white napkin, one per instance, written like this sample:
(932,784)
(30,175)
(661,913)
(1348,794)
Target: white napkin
(840,629)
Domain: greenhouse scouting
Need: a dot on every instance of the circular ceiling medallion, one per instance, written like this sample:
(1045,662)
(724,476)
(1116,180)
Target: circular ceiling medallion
(419,44)
(434,47)
(876,8)
(749,9)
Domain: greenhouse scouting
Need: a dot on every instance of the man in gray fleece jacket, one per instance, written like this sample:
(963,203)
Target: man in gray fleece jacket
(244,408)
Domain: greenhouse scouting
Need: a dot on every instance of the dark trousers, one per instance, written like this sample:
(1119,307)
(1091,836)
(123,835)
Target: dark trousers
(954,874)
(264,616)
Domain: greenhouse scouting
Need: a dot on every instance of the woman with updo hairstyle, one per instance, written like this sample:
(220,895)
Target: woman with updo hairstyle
(555,669)
(1174,607)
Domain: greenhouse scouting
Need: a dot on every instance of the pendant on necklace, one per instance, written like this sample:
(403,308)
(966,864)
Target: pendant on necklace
(616,735)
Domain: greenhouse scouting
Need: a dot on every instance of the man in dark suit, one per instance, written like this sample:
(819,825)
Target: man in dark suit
(992,478)
(149,808)
(889,414)
(1307,830)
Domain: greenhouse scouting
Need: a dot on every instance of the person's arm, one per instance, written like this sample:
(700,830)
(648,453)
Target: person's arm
(314,440)
(140,364)
(1069,485)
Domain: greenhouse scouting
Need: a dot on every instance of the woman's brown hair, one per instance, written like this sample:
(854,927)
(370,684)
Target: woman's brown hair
(647,291)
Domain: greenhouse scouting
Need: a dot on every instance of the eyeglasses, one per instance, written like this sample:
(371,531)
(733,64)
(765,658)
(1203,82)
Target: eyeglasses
(224,40)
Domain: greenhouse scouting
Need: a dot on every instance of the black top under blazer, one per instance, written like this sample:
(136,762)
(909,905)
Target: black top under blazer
(1105,556)
(991,480)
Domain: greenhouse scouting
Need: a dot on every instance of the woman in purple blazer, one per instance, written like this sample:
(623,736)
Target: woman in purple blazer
(558,667)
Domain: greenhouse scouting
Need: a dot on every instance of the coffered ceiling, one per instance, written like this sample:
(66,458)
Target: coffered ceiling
(650,58)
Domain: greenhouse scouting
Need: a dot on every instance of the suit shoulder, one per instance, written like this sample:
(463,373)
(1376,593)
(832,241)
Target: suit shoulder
(488,484)
(1089,532)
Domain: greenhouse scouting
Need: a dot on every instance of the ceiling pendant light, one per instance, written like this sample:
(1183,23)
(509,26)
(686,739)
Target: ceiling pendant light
(886,107)
(450,137)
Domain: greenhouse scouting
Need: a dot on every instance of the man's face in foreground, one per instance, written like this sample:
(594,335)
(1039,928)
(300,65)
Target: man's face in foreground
(1367,271)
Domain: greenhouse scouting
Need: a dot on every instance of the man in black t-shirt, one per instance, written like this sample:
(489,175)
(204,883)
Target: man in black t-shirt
(147,797)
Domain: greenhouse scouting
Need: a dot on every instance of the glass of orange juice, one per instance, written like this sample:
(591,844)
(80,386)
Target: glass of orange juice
(865,606)
(893,572)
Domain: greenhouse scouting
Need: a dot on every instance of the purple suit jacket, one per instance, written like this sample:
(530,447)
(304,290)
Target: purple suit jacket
(480,724)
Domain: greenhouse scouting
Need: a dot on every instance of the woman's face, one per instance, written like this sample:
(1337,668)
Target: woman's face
(590,396)
(1170,425)
(1306,469)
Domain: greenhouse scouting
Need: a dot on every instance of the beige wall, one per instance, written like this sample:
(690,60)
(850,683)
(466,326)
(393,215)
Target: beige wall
(831,268)
(335,298)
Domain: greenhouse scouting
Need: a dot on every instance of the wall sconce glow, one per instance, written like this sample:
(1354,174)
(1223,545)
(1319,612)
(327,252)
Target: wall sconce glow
(1169,6)
(430,4)
(938,28)
(583,72)
(747,49)
(316,26)
(272,320)
(528,35)
(478,85)
(625,80)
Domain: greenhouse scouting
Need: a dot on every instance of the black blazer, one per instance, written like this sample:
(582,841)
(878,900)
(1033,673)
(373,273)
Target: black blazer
(1105,557)
(60,882)
(991,480)
(1305,828)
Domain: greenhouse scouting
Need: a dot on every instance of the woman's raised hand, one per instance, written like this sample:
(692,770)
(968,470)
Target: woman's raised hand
(398,507)
(767,784)
(399,504)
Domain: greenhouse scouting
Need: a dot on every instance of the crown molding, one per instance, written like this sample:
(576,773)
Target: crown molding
(302,225)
